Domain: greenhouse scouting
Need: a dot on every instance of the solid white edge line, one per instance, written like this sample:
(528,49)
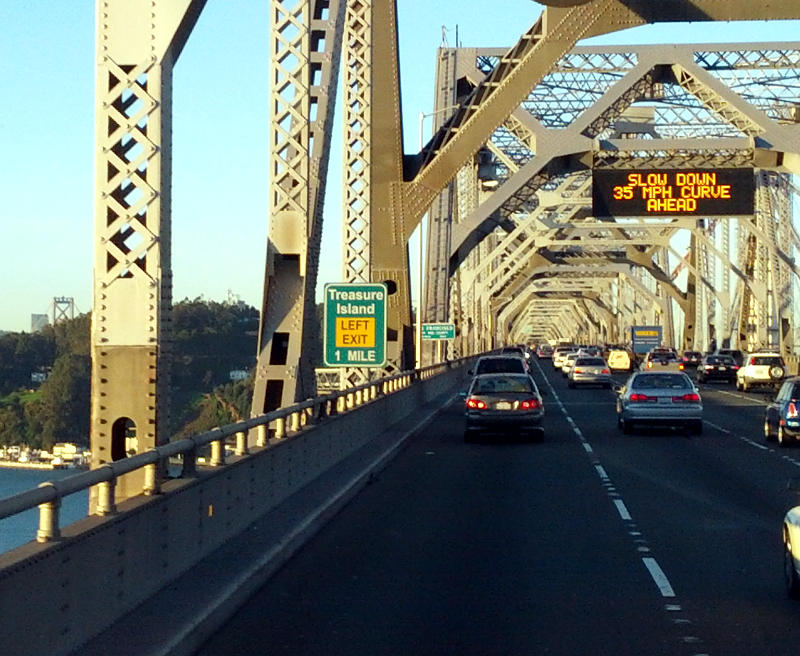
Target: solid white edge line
(659,577)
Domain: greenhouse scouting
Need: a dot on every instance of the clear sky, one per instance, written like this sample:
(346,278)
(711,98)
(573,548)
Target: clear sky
(220,128)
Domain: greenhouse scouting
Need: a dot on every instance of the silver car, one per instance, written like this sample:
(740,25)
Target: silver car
(503,402)
(589,370)
(664,398)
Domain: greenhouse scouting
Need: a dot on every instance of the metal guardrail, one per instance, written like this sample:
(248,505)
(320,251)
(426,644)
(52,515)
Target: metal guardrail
(47,497)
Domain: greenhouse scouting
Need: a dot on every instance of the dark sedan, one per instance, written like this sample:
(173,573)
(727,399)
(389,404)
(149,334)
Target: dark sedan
(691,359)
(717,367)
(503,402)
(782,415)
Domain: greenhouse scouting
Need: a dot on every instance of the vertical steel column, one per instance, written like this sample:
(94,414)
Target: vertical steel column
(690,308)
(137,47)
(435,307)
(357,154)
(305,37)
(374,121)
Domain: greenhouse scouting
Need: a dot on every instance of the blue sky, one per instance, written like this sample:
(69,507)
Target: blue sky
(220,128)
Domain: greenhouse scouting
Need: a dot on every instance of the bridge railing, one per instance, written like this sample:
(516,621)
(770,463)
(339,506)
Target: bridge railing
(48,496)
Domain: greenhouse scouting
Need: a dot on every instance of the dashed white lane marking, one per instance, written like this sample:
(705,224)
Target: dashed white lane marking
(656,573)
(622,510)
(659,577)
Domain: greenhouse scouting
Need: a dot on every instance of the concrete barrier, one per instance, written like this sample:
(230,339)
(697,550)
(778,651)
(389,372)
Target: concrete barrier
(56,596)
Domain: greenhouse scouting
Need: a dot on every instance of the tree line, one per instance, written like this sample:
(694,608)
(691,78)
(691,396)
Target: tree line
(209,340)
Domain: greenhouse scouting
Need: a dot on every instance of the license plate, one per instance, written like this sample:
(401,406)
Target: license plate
(722,368)
(503,405)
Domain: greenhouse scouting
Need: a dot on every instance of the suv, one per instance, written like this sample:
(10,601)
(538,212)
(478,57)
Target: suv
(763,369)
(500,364)
(736,354)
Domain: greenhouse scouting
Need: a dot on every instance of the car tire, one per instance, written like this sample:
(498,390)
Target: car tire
(627,427)
(767,431)
(469,436)
(783,441)
(571,385)
(789,573)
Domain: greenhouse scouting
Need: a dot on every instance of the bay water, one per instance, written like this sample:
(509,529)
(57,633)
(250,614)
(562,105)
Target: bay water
(21,528)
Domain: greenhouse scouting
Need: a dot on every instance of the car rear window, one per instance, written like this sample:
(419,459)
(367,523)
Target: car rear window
(662,355)
(500,365)
(502,384)
(661,381)
(767,360)
(590,361)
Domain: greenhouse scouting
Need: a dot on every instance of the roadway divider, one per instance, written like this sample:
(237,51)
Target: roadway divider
(72,583)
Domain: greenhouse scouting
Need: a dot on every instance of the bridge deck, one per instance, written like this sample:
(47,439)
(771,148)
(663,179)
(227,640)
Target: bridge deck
(183,615)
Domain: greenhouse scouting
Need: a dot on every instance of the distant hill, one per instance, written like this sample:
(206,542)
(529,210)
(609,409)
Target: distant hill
(210,340)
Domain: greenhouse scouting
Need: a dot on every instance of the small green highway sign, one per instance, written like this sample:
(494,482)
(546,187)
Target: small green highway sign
(438,331)
(355,325)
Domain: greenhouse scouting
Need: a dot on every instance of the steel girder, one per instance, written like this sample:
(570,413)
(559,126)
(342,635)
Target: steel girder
(638,74)
(130,335)
(303,73)
(137,48)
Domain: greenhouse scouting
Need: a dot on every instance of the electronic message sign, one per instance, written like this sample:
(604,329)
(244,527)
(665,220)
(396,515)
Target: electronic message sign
(355,325)
(678,192)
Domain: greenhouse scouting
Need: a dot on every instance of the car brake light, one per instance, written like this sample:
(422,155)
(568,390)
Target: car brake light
(476,403)
(577,371)
(606,371)
(638,398)
(680,366)
(530,404)
(791,411)
(649,365)
(688,398)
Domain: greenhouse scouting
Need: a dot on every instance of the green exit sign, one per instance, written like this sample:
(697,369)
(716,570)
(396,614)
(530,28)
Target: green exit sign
(355,325)
(438,331)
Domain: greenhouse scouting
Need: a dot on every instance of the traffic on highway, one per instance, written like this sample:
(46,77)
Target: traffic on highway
(591,540)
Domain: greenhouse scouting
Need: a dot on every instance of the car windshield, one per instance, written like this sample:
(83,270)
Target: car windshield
(500,365)
(661,381)
(502,384)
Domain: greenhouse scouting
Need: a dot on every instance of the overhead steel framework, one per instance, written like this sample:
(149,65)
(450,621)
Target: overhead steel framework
(387,192)
(646,107)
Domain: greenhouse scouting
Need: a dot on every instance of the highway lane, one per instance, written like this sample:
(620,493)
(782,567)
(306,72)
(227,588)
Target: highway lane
(592,542)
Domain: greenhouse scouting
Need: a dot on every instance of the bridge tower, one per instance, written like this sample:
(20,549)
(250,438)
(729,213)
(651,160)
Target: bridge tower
(130,335)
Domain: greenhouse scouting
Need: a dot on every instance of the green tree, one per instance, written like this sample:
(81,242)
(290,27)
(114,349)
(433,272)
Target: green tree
(62,411)
(12,423)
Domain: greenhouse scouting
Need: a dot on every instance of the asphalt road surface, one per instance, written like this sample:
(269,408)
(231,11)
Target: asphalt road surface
(592,542)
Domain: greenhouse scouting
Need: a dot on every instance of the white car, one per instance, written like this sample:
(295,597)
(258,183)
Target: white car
(560,353)
(762,369)
(568,361)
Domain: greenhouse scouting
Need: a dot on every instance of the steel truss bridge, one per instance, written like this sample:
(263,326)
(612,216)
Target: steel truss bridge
(513,252)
